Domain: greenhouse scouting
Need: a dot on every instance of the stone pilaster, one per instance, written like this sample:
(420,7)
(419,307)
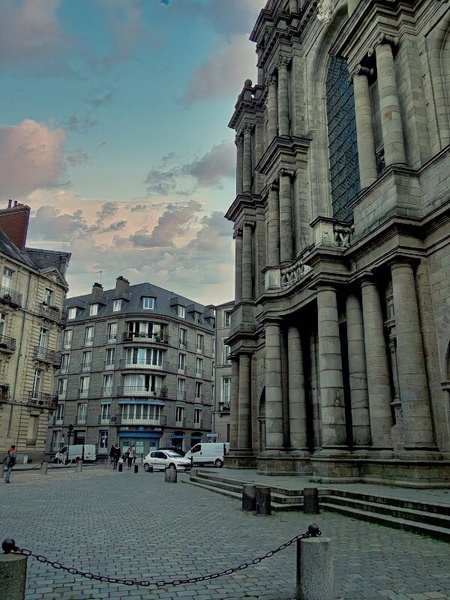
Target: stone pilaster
(378,379)
(238,265)
(391,122)
(412,376)
(297,396)
(247,261)
(239,164)
(273,243)
(272,110)
(283,96)
(286,230)
(244,422)
(332,409)
(247,159)
(234,404)
(357,372)
(274,396)
(364,127)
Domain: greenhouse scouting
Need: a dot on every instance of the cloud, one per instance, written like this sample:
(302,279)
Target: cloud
(101,100)
(80,123)
(223,74)
(107,211)
(78,158)
(31,157)
(50,224)
(215,166)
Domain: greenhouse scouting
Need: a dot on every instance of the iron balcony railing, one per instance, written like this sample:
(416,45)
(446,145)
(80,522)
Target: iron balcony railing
(10,296)
(42,400)
(132,336)
(142,390)
(45,355)
(126,363)
(7,344)
(52,313)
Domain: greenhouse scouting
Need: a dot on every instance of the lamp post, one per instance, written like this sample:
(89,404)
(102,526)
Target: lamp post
(69,435)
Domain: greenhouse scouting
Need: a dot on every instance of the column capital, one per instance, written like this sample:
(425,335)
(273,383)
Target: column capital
(383,39)
(367,278)
(274,186)
(403,261)
(272,81)
(238,140)
(283,61)
(249,223)
(286,173)
(237,233)
(248,127)
(360,70)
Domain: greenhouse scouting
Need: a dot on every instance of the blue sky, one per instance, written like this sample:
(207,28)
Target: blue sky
(113,128)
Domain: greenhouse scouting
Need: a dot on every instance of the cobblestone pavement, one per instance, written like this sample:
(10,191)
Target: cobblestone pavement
(137,526)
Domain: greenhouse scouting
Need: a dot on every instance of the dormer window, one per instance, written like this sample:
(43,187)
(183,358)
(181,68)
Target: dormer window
(148,303)
(181,312)
(117,305)
(72,313)
(93,310)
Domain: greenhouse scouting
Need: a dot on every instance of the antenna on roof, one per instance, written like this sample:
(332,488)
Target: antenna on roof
(100,273)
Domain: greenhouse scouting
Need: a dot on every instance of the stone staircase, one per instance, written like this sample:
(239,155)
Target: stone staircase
(427,518)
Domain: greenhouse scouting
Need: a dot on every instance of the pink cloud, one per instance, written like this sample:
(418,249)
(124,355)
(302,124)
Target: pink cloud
(31,157)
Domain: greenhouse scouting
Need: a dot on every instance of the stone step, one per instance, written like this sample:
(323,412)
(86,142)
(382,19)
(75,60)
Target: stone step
(433,531)
(431,507)
(224,485)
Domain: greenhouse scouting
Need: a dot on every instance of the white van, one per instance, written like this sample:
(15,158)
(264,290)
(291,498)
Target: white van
(211,453)
(76,452)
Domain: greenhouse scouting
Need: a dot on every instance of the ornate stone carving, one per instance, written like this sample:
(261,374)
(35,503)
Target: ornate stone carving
(290,275)
(238,140)
(287,173)
(283,61)
(360,70)
(325,10)
(342,235)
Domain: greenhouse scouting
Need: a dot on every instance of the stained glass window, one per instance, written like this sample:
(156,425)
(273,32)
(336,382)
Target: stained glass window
(342,141)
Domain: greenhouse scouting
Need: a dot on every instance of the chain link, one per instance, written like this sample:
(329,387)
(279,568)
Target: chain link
(159,583)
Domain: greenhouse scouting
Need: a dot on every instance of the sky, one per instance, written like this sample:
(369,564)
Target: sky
(114,130)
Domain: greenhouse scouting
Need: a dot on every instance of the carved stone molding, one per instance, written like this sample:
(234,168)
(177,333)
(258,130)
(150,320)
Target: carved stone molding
(283,61)
(287,173)
(274,186)
(238,140)
(382,39)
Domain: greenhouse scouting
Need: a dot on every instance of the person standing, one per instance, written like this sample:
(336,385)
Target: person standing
(10,461)
(131,456)
(115,455)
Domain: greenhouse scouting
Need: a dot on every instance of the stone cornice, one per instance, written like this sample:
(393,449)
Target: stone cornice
(291,146)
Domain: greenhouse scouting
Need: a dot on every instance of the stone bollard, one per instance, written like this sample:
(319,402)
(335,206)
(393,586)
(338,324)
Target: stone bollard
(263,501)
(249,497)
(43,469)
(79,466)
(170,476)
(13,576)
(136,468)
(120,467)
(315,575)
(311,501)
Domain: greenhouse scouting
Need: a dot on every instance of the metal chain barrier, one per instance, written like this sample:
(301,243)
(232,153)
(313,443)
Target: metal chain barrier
(9,545)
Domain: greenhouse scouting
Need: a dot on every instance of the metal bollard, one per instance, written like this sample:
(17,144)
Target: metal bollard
(249,497)
(263,501)
(311,501)
(43,469)
(315,574)
(13,573)
(79,466)
(170,475)
(136,468)
(120,467)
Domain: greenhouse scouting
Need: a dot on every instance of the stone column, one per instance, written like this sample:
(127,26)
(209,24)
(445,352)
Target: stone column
(238,265)
(364,127)
(332,409)
(247,261)
(274,397)
(244,423)
(357,372)
(286,230)
(272,110)
(391,122)
(297,396)
(239,164)
(378,380)
(234,404)
(412,375)
(283,96)
(273,243)
(247,159)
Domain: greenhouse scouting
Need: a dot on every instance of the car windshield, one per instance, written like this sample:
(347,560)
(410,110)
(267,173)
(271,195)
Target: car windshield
(172,454)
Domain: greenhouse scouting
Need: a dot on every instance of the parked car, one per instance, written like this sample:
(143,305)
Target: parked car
(160,459)
(174,449)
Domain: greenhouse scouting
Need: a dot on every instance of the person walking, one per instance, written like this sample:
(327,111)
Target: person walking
(115,455)
(10,461)
(131,456)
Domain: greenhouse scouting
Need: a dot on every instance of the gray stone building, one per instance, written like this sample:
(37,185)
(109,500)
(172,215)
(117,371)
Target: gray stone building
(222,374)
(340,334)
(136,368)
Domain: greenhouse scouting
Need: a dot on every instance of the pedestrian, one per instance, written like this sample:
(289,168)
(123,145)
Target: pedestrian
(115,455)
(10,461)
(131,456)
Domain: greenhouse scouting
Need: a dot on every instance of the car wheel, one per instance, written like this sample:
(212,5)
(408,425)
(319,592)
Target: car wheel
(218,463)
(146,467)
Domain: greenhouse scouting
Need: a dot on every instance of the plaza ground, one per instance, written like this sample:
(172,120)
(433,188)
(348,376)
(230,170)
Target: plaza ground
(137,526)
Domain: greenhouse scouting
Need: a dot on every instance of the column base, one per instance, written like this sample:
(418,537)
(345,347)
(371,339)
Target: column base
(242,458)
(283,462)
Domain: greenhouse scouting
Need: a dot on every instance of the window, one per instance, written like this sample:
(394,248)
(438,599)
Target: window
(86,361)
(2,323)
(148,303)
(84,386)
(112,332)
(197,417)
(93,310)
(150,358)
(59,415)
(181,363)
(37,382)
(56,441)
(183,338)
(200,342)
(108,384)
(72,313)
(226,392)
(89,335)
(226,355)
(65,360)
(179,415)
(198,390)
(117,305)
(138,384)
(7,278)
(33,424)
(67,338)
(62,388)
(181,389)
(109,358)
(48,297)
(103,440)
(227,318)
(105,411)
(141,414)
(181,312)
(199,367)
(43,337)
(342,140)
(81,413)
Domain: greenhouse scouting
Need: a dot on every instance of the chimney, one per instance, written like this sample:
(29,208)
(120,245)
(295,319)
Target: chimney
(14,222)
(122,286)
(97,291)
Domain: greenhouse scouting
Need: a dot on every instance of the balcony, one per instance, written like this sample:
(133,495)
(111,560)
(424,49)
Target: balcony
(47,356)
(7,344)
(11,297)
(86,367)
(131,336)
(198,399)
(159,421)
(141,364)
(199,373)
(182,344)
(180,422)
(83,393)
(42,400)
(107,391)
(52,313)
(140,390)
(181,395)
(199,424)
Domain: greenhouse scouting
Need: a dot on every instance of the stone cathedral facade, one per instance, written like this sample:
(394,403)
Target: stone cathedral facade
(340,334)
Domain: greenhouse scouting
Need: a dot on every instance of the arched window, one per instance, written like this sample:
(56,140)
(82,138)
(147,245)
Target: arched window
(342,141)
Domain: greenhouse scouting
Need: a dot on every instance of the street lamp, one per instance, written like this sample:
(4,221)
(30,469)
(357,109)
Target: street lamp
(69,435)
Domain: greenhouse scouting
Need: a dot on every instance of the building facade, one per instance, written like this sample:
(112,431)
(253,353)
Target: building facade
(340,335)
(136,369)
(222,374)
(32,293)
